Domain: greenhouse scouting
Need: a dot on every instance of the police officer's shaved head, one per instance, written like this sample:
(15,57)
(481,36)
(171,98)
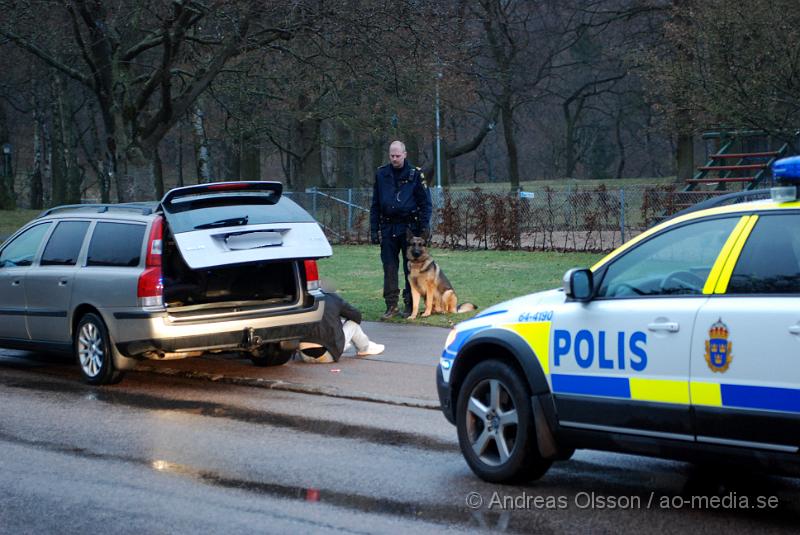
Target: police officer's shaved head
(397,154)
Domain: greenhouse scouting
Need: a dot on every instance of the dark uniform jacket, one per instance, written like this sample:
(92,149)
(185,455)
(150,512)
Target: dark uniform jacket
(328,332)
(400,202)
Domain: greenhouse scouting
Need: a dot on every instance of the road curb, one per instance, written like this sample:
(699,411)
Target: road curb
(301,388)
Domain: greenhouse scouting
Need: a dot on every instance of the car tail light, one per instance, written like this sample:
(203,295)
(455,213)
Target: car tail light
(151,285)
(312,275)
(228,186)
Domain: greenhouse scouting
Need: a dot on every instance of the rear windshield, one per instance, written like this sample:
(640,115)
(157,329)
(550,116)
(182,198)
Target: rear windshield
(219,211)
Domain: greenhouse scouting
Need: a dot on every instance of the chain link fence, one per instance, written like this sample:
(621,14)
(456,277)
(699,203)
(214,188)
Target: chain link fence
(552,219)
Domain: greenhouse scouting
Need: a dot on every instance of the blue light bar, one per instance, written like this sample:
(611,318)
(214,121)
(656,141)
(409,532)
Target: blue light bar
(787,168)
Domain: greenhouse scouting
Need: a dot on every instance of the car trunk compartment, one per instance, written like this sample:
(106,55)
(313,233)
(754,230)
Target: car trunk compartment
(227,288)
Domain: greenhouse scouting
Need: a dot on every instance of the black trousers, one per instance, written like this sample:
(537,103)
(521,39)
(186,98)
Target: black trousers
(393,247)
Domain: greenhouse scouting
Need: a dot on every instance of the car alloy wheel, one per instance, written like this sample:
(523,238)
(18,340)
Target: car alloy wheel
(492,422)
(495,424)
(94,351)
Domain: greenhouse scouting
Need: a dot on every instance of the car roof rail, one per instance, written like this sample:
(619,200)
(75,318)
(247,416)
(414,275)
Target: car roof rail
(145,208)
(724,200)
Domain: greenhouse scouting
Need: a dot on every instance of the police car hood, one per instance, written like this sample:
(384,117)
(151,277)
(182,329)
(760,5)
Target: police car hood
(511,311)
(524,303)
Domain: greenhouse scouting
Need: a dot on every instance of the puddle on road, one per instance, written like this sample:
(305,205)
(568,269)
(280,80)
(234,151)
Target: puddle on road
(367,504)
(440,514)
(316,426)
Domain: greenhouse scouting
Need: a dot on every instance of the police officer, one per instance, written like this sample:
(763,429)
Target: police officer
(400,200)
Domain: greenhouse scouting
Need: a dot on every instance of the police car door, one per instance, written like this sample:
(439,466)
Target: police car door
(745,376)
(620,363)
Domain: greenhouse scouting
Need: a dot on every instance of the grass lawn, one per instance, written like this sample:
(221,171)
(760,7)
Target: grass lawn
(12,220)
(481,277)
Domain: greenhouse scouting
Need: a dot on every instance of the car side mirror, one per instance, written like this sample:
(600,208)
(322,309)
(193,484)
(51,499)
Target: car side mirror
(579,284)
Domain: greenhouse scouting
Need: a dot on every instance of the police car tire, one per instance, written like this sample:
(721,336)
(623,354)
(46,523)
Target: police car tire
(524,462)
(270,355)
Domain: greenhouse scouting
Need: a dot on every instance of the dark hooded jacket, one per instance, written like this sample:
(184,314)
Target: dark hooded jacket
(328,332)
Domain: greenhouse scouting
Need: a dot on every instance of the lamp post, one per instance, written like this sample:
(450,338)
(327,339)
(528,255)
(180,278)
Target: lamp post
(6,159)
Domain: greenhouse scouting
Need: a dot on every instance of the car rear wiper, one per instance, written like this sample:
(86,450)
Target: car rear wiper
(233,221)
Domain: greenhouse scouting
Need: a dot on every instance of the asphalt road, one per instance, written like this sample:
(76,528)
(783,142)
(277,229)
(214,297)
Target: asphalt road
(217,445)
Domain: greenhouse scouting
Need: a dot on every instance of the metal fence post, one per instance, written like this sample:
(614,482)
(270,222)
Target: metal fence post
(622,214)
(349,210)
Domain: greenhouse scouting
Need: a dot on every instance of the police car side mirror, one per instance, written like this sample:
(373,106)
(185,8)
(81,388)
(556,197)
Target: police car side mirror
(579,284)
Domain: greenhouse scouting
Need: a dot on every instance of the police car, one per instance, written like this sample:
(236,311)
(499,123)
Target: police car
(682,343)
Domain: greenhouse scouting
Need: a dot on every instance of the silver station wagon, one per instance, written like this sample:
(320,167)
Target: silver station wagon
(221,267)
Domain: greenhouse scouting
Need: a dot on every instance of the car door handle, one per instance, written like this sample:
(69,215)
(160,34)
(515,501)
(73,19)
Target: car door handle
(667,326)
(16,283)
(63,282)
(794,329)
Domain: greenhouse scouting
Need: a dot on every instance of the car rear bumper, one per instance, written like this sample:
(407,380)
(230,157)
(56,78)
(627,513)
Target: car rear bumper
(147,334)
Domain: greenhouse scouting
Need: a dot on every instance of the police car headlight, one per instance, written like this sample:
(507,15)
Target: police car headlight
(450,338)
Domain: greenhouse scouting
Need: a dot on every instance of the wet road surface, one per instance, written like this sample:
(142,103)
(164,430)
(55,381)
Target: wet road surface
(168,453)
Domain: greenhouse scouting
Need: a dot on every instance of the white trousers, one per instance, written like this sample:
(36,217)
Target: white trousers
(354,336)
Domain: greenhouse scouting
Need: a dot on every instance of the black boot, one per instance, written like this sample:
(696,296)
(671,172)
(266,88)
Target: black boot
(407,310)
(391,312)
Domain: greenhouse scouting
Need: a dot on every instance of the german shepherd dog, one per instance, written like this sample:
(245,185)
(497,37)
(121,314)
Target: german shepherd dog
(428,280)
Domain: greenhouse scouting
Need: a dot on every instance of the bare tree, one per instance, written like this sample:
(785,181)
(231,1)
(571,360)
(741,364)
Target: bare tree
(148,62)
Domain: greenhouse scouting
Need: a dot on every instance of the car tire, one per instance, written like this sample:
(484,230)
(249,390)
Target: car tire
(94,352)
(271,355)
(495,425)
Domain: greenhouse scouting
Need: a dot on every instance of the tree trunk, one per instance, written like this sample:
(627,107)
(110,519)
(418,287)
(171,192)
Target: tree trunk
(47,163)
(306,158)
(99,158)
(348,157)
(249,159)
(444,180)
(158,175)
(620,146)
(180,153)
(6,172)
(58,184)
(136,175)
(311,164)
(380,154)
(685,156)
(36,200)
(327,153)
(511,144)
(202,154)
(75,172)
(569,143)
(412,148)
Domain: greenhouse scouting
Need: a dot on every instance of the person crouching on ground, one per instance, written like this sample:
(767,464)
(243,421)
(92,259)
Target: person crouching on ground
(340,328)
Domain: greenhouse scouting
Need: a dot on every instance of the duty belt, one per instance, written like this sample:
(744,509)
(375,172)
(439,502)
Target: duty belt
(407,220)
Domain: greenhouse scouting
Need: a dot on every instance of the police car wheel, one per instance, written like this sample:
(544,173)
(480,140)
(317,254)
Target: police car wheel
(495,425)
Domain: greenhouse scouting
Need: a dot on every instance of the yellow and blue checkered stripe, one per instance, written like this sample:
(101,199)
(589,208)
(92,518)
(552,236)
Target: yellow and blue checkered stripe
(674,391)
(679,392)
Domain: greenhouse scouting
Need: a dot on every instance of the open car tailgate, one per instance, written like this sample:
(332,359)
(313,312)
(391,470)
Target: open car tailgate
(228,223)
